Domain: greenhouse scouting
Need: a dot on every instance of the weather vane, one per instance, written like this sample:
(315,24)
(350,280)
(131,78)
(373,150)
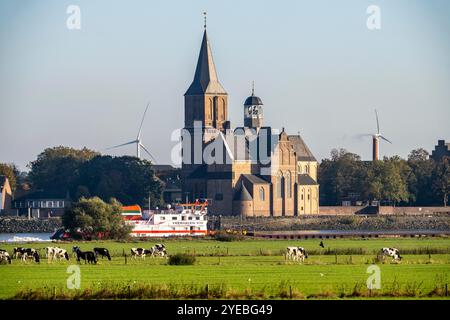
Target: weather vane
(204,17)
(253,88)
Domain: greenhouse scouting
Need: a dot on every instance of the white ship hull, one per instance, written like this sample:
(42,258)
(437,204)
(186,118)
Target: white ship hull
(183,221)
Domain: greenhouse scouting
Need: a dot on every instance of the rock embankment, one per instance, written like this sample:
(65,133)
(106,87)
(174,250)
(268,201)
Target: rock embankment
(364,223)
(23,225)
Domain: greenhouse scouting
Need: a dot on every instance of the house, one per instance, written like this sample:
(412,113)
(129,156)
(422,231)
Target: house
(42,204)
(5,194)
(441,150)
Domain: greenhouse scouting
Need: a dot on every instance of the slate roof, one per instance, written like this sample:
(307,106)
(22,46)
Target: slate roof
(306,180)
(254,179)
(301,149)
(243,194)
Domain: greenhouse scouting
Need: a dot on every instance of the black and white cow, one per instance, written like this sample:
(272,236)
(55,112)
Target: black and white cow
(296,254)
(30,254)
(391,252)
(4,256)
(55,253)
(140,252)
(102,252)
(18,252)
(159,250)
(87,256)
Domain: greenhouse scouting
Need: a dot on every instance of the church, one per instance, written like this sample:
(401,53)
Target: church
(250,171)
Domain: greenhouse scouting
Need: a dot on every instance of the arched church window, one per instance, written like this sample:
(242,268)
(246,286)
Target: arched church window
(261,194)
(280,185)
(288,184)
(210,111)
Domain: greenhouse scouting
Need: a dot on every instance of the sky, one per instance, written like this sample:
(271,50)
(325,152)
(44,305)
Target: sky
(317,67)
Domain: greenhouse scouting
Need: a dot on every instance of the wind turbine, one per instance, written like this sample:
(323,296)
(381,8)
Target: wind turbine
(138,140)
(376,140)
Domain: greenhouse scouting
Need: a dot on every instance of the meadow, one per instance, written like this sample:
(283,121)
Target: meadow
(249,268)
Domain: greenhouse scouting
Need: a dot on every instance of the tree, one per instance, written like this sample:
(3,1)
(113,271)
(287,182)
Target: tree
(419,182)
(57,169)
(128,179)
(441,179)
(11,172)
(339,176)
(94,218)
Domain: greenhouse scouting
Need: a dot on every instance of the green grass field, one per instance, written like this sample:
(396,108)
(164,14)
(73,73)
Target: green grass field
(248,266)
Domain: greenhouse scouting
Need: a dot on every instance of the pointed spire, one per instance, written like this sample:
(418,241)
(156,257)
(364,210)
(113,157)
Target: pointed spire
(205,78)
(253,88)
(204,16)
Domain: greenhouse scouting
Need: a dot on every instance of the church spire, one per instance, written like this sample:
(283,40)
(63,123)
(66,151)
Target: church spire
(205,78)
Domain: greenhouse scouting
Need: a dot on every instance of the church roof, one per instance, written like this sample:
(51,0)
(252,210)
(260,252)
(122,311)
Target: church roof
(205,78)
(243,194)
(253,101)
(253,179)
(306,180)
(301,149)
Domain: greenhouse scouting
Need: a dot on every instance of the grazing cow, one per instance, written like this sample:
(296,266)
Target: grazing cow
(391,252)
(31,254)
(87,256)
(296,254)
(159,250)
(140,252)
(56,253)
(103,252)
(4,256)
(18,252)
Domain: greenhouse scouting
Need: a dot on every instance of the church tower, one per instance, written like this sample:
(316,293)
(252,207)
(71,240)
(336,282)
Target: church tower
(205,100)
(253,111)
(206,115)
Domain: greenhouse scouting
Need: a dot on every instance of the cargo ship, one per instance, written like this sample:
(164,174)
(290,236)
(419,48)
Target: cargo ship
(180,220)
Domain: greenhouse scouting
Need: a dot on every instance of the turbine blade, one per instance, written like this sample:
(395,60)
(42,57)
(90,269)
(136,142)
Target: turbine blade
(123,144)
(385,139)
(148,152)
(378,124)
(142,122)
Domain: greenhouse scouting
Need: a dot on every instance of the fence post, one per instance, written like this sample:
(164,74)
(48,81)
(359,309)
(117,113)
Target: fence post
(335,258)
(290,292)
(207,291)
(125,258)
(446,292)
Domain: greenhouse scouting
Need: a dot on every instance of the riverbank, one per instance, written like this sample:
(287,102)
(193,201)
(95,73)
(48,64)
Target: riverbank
(343,223)
(23,225)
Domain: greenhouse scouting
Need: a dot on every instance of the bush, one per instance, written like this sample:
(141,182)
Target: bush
(228,237)
(180,259)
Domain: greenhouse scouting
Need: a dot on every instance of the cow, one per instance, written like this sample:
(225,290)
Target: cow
(18,252)
(4,256)
(140,252)
(103,252)
(30,253)
(159,250)
(296,254)
(56,253)
(87,256)
(391,252)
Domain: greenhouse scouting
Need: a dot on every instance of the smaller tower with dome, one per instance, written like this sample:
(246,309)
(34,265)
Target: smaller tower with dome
(253,111)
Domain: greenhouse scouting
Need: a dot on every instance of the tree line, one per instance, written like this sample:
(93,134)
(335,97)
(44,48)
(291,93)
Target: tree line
(84,173)
(416,181)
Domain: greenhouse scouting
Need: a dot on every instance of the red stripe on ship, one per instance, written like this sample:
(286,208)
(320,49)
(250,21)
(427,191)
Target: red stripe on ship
(171,231)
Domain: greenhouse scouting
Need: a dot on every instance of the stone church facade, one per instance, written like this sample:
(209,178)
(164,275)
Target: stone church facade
(253,170)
